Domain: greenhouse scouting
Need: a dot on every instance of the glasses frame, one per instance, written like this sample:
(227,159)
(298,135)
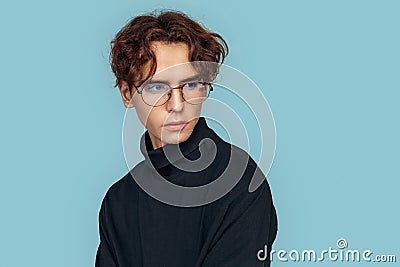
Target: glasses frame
(180,87)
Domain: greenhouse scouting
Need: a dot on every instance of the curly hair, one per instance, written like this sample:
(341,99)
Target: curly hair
(131,48)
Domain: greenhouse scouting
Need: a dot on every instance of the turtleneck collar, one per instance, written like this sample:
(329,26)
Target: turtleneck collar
(158,157)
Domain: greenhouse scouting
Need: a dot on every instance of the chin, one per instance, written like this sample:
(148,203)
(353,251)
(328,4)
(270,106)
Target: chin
(176,137)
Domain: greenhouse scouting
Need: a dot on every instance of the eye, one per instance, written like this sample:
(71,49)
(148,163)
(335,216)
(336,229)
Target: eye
(193,85)
(155,88)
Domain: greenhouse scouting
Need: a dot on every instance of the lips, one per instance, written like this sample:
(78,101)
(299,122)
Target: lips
(175,126)
(175,123)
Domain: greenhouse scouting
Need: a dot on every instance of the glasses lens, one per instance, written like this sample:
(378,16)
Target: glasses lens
(155,94)
(196,92)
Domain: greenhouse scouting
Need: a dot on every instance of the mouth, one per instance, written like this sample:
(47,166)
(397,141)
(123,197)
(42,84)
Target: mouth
(175,126)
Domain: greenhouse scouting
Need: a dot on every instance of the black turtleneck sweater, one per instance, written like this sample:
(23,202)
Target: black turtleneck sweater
(138,230)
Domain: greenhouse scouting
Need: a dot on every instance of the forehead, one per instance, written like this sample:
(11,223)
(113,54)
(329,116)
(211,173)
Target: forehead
(173,63)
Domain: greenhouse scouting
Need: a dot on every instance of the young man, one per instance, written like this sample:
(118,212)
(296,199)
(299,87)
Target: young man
(136,229)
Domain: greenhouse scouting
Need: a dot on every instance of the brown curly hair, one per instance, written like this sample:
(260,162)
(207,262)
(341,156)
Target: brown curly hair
(131,48)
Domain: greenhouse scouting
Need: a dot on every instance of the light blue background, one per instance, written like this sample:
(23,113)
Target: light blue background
(329,69)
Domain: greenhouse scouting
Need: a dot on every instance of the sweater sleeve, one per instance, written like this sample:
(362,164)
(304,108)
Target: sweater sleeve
(249,226)
(104,256)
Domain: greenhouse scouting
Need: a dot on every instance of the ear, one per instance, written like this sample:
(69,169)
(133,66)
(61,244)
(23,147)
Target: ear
(127,98)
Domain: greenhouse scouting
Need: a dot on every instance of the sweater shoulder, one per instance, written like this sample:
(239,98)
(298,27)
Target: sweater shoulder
(253,181)
(122,189)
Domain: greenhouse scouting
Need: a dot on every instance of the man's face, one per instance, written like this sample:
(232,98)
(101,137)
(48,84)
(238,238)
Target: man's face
(155,119)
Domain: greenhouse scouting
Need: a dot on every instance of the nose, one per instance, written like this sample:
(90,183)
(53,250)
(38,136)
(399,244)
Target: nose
(175,102)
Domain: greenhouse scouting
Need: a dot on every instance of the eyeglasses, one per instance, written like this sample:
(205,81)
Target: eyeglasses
(157,94)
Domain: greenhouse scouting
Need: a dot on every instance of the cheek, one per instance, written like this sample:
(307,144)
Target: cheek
(144,112)
(151,117)
(195,111)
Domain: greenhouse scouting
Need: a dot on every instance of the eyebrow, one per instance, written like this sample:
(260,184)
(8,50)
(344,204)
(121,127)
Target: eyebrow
(192,78)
